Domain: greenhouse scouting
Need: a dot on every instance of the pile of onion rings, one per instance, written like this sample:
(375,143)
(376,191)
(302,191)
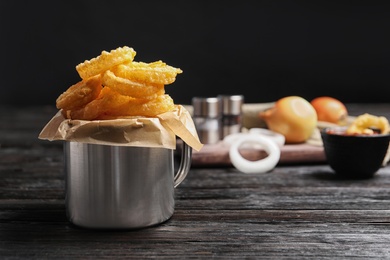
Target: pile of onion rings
(368,124)
(113,86)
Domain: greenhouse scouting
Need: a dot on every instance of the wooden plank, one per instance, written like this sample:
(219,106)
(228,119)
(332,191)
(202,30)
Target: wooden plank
(296,211)
(218,154)
(200,234)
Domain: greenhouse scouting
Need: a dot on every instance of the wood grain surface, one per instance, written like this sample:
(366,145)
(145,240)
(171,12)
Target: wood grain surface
(298,211)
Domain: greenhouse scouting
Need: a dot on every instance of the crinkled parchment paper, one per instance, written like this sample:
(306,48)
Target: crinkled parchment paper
(159,131)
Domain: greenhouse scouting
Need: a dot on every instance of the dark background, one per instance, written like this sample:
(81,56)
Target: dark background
(262,49)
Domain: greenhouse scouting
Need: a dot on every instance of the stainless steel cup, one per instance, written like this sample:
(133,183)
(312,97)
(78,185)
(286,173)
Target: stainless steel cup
(118,187)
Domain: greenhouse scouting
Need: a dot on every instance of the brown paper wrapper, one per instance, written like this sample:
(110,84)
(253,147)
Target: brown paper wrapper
(159,131)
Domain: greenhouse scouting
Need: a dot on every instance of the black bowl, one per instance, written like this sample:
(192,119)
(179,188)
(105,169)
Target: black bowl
(354,156)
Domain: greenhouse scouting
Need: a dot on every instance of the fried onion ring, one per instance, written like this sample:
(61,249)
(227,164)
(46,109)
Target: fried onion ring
(105,61)
(111,104)
(156,72)
(80,94)
(132,88)
(366,123)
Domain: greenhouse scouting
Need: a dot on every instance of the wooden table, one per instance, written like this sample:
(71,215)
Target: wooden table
(295,211)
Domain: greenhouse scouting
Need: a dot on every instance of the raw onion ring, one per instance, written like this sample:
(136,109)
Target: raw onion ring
(260,166)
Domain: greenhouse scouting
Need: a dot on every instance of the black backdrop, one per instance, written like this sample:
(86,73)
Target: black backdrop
(262,49)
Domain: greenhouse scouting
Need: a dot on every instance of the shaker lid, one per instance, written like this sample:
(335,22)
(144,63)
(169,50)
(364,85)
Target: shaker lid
(232,104)
(206,106)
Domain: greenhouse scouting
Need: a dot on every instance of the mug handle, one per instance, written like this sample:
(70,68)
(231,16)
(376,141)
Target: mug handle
(185,164)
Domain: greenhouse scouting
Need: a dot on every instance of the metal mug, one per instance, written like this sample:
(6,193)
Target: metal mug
(120,187)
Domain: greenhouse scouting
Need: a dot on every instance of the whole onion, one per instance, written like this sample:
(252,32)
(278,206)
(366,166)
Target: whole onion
(292,116)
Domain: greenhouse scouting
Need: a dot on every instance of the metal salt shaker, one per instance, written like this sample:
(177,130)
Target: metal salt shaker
(207,118)
(231,114)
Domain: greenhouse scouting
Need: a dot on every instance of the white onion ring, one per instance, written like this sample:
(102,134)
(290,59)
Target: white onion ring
(278,138)
(231,138)
(260,166)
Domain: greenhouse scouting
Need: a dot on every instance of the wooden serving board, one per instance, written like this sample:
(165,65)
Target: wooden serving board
(218,154)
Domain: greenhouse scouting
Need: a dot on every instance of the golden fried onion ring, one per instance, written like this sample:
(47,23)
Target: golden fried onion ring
(156,72)
(114,86)
(80,94)
(132,88)
(366,123)
(111,104)
(105,61)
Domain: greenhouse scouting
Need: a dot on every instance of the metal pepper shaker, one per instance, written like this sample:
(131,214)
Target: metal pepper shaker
(207,118)
(231,114)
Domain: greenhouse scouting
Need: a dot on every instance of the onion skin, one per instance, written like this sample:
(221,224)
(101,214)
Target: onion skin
(330,110)
(292,116)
